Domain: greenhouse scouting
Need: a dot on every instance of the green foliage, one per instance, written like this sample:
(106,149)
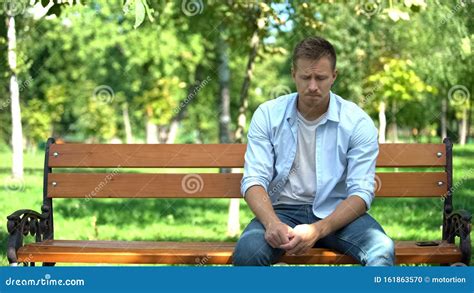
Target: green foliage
(36,120)
(398,85)
(98,117)
(397,82)
(79,48)
(162,99)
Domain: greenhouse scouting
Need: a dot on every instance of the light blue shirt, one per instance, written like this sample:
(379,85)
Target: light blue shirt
(346,151)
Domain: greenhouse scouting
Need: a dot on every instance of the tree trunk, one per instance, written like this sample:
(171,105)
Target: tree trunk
(242,119)
(151,128)
(444,110)
(224,90)
(193,92)
(233,222)
(463,127)
(233,225)
(17,132)
(394,131)
(162,134)
(126,123)
(469,120)
(173,132)
(394,125)
(382,122)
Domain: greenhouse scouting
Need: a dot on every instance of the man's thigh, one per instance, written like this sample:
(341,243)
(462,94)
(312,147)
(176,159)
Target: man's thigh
(357,238)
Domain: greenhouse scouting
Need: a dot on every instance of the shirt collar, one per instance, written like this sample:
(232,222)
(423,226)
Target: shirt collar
(332,113)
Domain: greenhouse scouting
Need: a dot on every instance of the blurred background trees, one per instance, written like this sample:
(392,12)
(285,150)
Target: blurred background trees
(194,71)
(86,74)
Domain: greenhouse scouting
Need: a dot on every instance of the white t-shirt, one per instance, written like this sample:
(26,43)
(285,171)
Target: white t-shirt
(300,188)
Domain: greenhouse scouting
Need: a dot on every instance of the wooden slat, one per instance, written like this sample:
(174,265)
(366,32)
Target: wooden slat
(100,185)
(410,184)
(212,155)
(411,155)
(200,253)
(147,155)
(123,185)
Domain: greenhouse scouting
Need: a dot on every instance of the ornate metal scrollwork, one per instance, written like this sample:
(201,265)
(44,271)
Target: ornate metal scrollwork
(458,224)
(23,223)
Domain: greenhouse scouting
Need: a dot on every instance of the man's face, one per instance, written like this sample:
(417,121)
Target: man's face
(313,79)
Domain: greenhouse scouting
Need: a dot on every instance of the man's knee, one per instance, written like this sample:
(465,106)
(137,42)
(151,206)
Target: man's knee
(252,250)
(382,253)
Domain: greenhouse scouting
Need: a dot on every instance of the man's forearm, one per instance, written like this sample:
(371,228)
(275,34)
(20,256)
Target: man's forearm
(346,212)
(260,204)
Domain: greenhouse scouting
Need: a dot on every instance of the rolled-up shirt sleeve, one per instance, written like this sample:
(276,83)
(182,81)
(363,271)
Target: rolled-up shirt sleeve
(259,157)
(361,159)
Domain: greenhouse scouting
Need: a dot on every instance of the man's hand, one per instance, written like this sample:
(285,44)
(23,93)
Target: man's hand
(277,234)
(302,239)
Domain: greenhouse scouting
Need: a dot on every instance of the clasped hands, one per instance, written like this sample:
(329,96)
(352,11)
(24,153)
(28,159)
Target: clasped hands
(295,241)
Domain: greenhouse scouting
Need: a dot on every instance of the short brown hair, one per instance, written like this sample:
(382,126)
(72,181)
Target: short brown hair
(314,48)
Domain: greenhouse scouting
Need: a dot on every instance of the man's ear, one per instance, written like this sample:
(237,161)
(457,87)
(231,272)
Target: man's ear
(334,76)
(293,71)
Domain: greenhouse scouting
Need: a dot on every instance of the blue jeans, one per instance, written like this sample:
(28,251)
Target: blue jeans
(364,239)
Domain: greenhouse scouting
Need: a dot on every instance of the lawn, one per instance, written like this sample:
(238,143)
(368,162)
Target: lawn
(200,220)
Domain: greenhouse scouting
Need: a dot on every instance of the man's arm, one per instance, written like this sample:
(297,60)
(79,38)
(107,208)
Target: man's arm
(258,172)
(346,212)
(276,232)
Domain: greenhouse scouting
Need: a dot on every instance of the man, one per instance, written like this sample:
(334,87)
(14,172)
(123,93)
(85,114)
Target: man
(309,170)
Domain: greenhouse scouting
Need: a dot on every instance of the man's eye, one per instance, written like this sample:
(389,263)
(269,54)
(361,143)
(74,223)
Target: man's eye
(305,77)
(321,77)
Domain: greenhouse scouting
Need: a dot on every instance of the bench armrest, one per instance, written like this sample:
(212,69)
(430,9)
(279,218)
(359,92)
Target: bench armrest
(22,223)
(458,223)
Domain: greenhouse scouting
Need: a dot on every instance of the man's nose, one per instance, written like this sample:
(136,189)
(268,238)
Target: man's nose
(313,85)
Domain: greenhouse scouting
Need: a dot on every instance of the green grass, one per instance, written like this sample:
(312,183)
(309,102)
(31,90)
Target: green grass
(203,220)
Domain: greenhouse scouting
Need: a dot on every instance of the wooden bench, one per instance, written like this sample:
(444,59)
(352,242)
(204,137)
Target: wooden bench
(49,250)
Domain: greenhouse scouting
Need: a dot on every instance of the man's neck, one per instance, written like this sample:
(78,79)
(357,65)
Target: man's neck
(312,112)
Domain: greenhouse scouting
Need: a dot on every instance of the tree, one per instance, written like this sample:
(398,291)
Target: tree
(397,84)
(17,132)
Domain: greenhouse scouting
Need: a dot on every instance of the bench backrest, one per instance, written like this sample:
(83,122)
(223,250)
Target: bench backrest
(117,183)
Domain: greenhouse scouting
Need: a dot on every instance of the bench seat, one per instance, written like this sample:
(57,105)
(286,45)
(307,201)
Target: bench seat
(195,253)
